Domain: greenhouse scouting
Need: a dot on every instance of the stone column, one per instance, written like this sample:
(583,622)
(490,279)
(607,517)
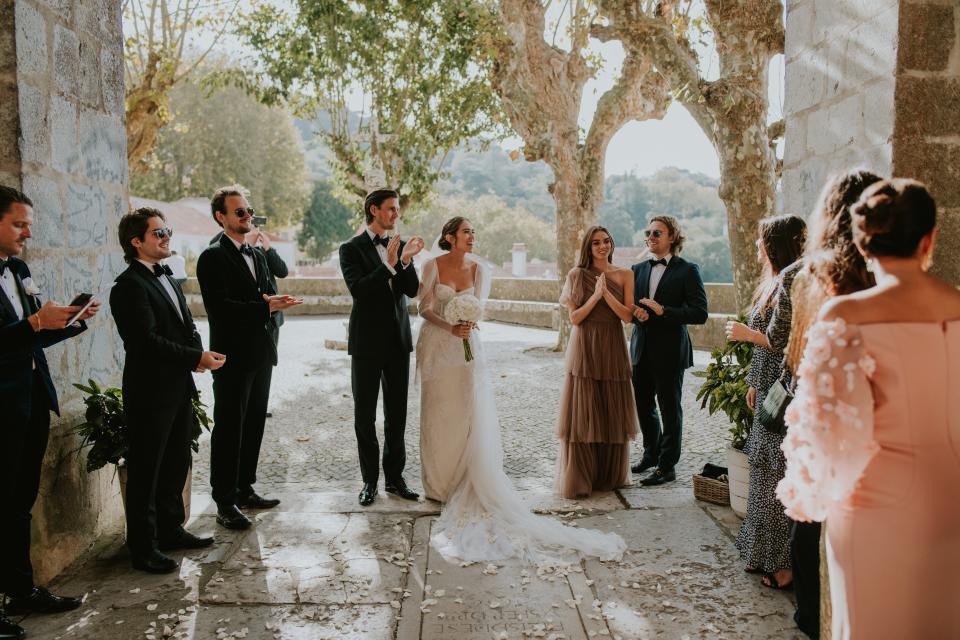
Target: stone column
(875,84)
(62,142)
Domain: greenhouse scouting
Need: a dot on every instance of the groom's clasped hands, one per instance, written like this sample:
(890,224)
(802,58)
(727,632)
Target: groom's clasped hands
(412,247)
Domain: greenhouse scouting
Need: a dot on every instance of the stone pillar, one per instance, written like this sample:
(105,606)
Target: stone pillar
(518,260)
(875,84)
(62,142)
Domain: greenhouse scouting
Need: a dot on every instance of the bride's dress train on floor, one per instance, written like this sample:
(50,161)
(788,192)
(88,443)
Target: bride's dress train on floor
(484,517)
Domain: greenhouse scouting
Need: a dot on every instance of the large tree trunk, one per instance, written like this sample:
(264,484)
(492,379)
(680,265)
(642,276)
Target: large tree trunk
(573,218)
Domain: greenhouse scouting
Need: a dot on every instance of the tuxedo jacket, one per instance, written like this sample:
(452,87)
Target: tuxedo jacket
(379,320)
(21,347)
(241,325)
(277,269)
(162,349)
(681,293)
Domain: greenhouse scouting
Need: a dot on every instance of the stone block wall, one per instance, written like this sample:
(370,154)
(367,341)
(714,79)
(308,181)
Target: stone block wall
(875,84)
(62,142)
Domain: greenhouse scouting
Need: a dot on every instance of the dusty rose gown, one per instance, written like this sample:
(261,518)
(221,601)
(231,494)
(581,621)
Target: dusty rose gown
(873,448)
(598,413)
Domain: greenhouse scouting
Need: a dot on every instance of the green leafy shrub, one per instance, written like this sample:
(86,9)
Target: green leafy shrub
(725,388)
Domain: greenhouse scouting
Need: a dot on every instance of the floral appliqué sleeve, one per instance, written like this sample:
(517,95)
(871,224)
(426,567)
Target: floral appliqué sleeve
(830,440)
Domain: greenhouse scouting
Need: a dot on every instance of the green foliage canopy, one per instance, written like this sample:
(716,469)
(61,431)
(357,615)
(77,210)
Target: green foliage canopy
(223,139)
(326,223)
(418,68)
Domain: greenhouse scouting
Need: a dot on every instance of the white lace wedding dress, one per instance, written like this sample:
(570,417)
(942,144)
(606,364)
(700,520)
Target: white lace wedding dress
(483,516)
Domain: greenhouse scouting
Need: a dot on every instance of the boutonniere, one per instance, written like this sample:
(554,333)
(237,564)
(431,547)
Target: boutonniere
(29,287)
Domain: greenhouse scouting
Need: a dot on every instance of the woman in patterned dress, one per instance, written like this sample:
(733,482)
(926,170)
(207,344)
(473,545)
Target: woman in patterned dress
(764,538)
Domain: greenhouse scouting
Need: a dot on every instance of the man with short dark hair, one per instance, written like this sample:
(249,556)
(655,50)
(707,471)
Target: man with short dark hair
(380,275)
(241,307)
(27,396)
(669,295)
(162,349)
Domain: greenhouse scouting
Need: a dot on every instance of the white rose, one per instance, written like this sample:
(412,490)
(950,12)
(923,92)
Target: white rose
(29,287)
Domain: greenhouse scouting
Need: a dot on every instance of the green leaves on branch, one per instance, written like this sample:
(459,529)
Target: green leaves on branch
(326,223)
(415,71)
(725,388)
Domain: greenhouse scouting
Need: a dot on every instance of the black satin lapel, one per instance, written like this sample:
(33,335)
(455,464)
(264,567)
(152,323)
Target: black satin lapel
(237,257)
(8,306)
(370,250)
(668,273)
(182,300)
(154,282)
(643,280)
(24,298)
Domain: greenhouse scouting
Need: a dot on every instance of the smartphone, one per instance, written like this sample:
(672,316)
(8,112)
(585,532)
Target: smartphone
(84,300)
(259,221)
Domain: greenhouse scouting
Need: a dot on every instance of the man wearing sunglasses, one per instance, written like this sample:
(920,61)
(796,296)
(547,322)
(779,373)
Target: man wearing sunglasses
(162,349)
(242,307)
(669,295)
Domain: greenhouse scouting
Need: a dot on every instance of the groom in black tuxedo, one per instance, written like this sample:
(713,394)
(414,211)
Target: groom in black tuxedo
(162,349)
(242,309)
(380,274)
(27,396)
(669,295)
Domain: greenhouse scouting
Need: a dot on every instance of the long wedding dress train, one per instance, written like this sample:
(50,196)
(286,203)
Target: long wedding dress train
(484,517)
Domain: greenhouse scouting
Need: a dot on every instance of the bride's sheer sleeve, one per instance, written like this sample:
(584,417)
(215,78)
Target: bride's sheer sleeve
(829,440)
(428,282)
(482,281)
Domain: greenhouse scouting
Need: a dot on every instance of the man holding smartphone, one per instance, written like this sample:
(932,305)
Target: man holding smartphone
(162,348)
(242,306)
(27,396)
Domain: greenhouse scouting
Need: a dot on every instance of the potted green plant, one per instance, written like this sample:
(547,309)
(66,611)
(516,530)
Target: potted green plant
(725,389)
(105,432)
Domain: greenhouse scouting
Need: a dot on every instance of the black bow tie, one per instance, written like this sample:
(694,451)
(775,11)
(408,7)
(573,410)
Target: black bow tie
(3,266)
(162,269)
(381,240)
(246,250)
(654,262)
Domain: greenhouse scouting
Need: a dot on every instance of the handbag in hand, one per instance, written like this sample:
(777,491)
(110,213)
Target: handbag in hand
(771,412)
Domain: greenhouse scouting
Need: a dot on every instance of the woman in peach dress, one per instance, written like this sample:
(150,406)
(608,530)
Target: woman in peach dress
(873,446)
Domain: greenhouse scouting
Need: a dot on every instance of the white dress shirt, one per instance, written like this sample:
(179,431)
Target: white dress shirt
(246,258)
(9,285)
(165,283)
(656,273)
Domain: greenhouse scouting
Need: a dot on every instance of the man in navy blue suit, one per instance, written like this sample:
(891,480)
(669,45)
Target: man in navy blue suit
(669,295)
(27,396)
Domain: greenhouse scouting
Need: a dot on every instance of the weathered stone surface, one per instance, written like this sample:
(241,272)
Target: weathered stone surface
(66,59)
(34,126)
(31,35)
(927,37)
(89,81)
(48,211)
(63,135)
(111,82)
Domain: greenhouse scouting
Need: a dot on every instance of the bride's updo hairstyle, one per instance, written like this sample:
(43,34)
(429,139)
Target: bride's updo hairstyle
(450,228)
(892,216)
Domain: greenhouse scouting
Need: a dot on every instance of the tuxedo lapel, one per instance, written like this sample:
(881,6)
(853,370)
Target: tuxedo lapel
(237,258)
(8,306)
(22,294)
(642,285)
(668,273)
(154,282)
(369,249)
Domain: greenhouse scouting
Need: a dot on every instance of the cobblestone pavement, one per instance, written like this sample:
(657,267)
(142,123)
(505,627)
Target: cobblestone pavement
(319,567)
(309,441)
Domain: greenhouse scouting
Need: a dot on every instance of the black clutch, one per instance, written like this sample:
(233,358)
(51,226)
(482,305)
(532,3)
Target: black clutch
(770,413)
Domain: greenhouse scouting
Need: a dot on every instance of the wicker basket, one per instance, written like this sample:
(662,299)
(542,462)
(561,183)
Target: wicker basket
(710,490)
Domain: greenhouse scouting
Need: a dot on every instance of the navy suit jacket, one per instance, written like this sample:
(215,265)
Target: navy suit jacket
(21,346)
(665,338)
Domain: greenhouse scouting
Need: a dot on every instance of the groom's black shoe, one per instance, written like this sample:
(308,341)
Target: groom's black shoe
(39,600)
(231,517)
(154,562)
(10,630)
(399,487)
(253,501)
(183,539)
(367,493)
(643,465)
(658,477)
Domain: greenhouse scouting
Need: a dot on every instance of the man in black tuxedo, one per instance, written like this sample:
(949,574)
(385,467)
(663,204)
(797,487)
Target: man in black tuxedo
(27,396)
(241,307)
(669,295)
(380,274)
(162,349)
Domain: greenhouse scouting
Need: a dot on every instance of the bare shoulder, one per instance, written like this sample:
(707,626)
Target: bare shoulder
(622,274)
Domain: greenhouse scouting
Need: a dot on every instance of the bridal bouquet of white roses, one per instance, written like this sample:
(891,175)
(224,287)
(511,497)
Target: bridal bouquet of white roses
(464,308)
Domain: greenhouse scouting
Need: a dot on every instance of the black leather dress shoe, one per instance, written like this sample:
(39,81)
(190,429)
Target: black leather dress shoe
(231,517)
(154,562)
(643,465)
(183,539)
(367,493)
(40,601)
(10,630)
(659,477)
(399,488)
(253,501)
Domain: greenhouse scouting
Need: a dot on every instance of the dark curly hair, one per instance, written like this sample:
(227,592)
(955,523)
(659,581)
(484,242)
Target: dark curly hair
(673,228)
(134,225)
(892,217)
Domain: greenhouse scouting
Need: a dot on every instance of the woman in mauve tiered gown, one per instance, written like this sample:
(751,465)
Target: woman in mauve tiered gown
(873,445)
(598,413)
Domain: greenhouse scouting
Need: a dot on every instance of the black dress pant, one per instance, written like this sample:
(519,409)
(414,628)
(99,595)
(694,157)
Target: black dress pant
(157,467)
(240,399)
(653,385)
(805,556)
(368,375)
(23,442)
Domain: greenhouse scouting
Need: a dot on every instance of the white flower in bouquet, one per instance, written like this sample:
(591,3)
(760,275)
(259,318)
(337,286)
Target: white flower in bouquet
(464,308)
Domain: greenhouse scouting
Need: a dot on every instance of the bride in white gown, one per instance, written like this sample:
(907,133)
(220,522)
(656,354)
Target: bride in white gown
(483,516)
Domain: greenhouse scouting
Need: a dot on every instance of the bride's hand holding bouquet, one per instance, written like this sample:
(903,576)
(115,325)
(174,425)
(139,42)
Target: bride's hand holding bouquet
(463,312)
